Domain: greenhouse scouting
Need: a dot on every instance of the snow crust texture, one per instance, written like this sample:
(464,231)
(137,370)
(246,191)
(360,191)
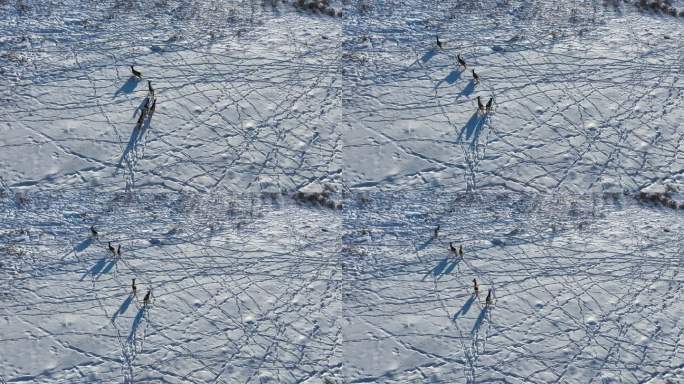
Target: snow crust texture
(262,290)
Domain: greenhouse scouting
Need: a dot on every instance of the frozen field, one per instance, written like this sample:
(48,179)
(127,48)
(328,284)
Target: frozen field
(281,201)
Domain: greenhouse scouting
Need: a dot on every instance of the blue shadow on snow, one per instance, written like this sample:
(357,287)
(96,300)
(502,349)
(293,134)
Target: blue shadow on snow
(129,86)
(465,308)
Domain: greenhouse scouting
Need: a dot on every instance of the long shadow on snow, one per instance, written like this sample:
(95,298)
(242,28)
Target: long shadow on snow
(425,58)
(439,268)
(141,106)
(146,125)
(123,308)
(451,78)
(472,128)
(136,322)
(136,134)
(468,90)
(108,267)
(451,267)
(480,319)
(428,55)
(128,87)
(95,269)
(425,244)
(465,308)
(100,268)
(83,245)
(443,268)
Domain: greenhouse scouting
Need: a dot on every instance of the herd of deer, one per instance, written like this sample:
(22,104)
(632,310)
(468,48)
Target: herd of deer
(481,108)
(116,252)
(147,108)
(476,288)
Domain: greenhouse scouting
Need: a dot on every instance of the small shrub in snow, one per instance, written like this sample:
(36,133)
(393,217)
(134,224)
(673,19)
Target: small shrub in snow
(664,6)
(364,199)
(313,6)
(317,195)
(322,199)
(22,6)
(22,199)
(316,6)
(364,7)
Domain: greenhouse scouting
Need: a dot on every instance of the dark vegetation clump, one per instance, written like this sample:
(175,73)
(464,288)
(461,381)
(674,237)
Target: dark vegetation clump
(22,199)
(660,197)
(22,6)
(317,6)
(658,6)
(318,198)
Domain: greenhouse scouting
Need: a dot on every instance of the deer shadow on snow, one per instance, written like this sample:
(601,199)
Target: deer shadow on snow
(100,268)
(138,131)
(136,322)
(135,135)
(472,128)
(425,244)
(444,267)
(451,78)
(129,86)
(480,319)
(123,308)
(83,245)
(468,90)
(428,55)
(425,58)
(145,102)
(485,314)
(465,308)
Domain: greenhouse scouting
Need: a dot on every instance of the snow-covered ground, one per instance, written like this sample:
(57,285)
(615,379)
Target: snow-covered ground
(589,108)
(241,106)
(242,291)
(585,290)
(281,202)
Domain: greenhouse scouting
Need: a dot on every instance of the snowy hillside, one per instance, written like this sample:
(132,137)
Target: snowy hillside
(295,202)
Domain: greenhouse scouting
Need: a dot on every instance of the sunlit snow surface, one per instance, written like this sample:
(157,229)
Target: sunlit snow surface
(252,289)
(252,283)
